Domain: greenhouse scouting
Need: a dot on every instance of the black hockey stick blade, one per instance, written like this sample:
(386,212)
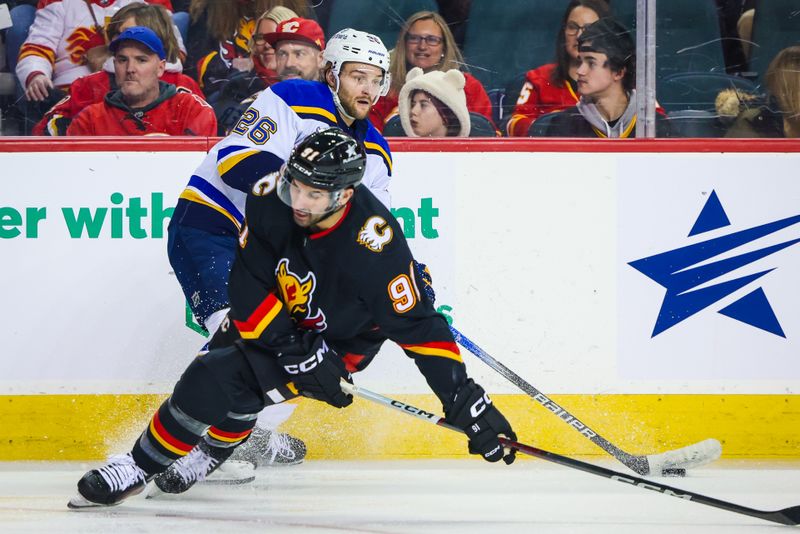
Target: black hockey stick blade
(787,516)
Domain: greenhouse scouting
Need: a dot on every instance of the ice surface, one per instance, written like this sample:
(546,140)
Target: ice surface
(431,496)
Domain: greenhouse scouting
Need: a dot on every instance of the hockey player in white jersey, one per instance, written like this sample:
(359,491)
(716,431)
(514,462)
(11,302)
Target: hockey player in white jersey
(205,226)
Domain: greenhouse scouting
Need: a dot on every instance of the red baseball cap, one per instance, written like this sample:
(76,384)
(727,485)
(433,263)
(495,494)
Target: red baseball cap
(298,29)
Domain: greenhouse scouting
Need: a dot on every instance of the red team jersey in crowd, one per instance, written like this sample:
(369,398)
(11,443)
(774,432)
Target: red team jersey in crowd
(60,35)
(539,95)
(92,89)
(477,101)
(173,113)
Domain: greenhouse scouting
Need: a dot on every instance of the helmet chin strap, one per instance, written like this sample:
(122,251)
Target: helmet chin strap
(337,102)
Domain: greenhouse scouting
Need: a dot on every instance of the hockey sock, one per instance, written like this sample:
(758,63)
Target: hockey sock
(170,435)
(232,431)
(197,402)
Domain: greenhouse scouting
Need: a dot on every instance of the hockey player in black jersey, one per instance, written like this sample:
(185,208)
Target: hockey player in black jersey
(323,276)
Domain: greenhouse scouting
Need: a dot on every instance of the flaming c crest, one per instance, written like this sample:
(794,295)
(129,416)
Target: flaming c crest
(296,294)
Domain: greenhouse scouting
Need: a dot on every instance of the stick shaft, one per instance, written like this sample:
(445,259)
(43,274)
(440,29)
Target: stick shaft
(787,516)
(638,464)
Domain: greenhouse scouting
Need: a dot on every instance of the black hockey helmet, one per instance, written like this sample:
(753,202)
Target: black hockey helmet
(327,159)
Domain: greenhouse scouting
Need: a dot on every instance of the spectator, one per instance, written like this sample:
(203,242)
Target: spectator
(143,105)
(426,42)
(261,52)
(66,41)
(552,87)
(301,49)
(606,80)
(94,87)
(433,104)
(221,35)
(22,13)
(298,47)
(779,116)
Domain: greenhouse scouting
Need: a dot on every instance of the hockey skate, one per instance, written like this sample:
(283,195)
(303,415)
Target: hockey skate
(200,463)
(269,448)
(111,484)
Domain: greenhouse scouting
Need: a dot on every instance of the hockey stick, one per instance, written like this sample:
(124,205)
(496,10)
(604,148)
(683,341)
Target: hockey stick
(695,455)
(787,516)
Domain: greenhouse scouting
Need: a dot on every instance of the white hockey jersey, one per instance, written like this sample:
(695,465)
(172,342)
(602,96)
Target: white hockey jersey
(62,32)
(260,143)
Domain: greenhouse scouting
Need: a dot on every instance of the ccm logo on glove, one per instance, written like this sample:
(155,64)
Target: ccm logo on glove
(309,364)
(480,405)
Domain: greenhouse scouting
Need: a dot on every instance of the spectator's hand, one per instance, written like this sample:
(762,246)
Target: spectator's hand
(96,57)
(38,88)
(244,64)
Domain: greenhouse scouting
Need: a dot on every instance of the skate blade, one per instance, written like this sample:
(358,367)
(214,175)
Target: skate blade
(151,491)
(281,464)
(228,482)
(79,502)
(232,472)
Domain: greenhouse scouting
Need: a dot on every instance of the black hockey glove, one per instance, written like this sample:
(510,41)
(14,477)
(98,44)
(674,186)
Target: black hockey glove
(424,280)
(318,373)
(473,412)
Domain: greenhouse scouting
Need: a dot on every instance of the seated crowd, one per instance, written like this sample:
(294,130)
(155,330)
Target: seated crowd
(192,67)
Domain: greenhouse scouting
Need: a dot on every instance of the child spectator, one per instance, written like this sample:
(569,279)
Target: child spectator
(552,87)
(606,80)
(94,87)
(426,42)
(66,41)
(144,105)
(433,104)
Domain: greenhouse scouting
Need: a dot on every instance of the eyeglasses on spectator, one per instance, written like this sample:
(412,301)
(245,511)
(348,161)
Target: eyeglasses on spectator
(573,29)
(430,40)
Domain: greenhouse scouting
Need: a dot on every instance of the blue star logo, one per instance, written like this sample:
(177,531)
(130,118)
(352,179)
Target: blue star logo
(678,271)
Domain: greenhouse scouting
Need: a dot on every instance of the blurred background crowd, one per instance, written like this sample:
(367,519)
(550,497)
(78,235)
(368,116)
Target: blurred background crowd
(479,68)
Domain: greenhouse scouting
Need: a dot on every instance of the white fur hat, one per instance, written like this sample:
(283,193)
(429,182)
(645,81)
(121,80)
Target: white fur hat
(446,86)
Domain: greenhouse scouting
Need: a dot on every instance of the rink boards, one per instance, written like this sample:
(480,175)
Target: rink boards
(653,292)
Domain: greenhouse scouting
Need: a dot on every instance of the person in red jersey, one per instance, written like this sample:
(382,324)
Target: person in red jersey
(93,88)
(144,105)
(552,87)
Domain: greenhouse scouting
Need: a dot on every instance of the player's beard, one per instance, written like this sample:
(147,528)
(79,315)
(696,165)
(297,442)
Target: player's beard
(360,112)
(311,221)
(304,219)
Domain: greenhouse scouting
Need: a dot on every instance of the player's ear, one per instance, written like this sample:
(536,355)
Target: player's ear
(347,194)
(330,77)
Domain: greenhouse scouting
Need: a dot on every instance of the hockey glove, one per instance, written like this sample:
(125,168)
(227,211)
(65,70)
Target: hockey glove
(473,412)
(318,373)
(424,280)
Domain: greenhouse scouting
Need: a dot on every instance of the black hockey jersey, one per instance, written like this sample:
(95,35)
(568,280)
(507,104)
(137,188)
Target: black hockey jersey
(353,283)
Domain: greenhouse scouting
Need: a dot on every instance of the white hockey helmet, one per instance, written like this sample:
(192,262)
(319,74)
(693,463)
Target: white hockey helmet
(361,47)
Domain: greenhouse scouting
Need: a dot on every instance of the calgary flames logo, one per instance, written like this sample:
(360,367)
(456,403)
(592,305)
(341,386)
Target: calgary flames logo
(81,40)
(296,294)
(375,234)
